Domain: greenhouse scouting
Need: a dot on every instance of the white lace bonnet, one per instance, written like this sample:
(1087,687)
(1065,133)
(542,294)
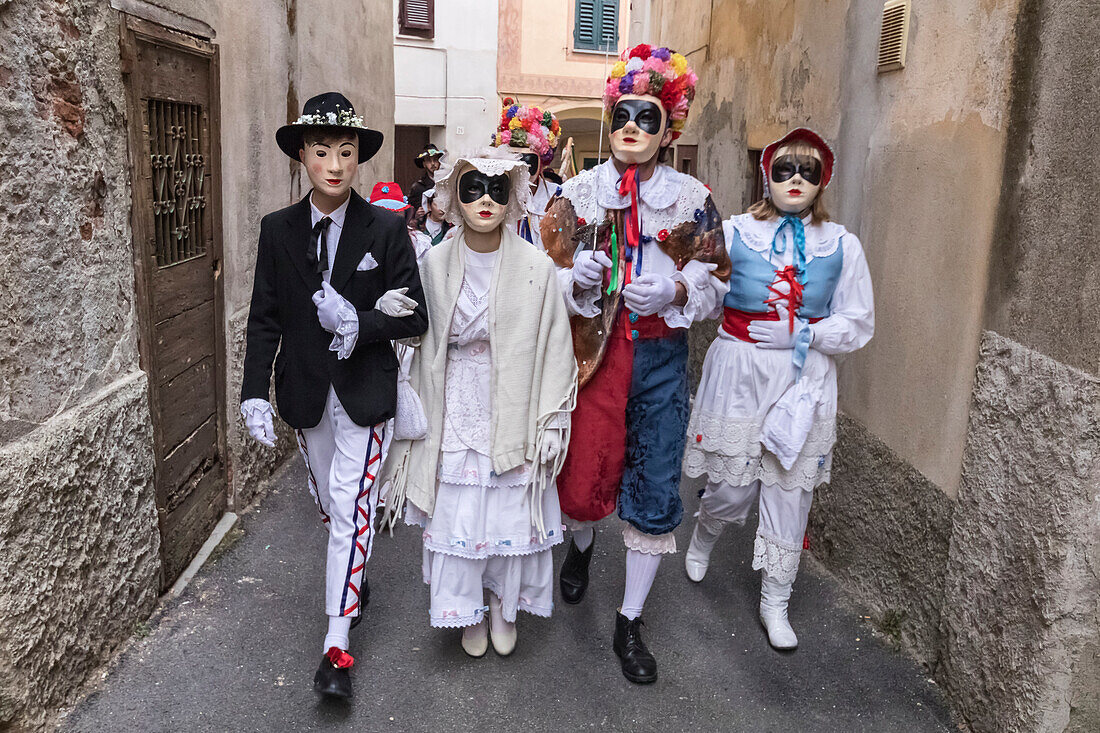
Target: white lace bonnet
(491,162)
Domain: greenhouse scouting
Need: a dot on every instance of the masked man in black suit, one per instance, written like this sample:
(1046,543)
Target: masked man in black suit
(336,281)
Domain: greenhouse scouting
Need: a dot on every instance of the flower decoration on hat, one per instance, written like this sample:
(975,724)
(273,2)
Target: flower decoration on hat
(527,127)
(655,72)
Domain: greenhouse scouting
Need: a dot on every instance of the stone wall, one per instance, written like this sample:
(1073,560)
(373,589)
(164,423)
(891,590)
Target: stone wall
(80,563)
(78,523)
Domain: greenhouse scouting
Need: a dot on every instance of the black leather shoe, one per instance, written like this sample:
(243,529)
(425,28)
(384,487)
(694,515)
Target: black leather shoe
(574,572)
(638,664)
(332,678)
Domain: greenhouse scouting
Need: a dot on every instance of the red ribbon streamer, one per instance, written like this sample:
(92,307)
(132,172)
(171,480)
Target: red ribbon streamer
(789,275)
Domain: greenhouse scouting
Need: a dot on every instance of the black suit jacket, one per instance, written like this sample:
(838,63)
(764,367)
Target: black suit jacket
(283,318)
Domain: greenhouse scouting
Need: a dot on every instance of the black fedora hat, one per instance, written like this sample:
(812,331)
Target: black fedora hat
(430,151)
(328,111)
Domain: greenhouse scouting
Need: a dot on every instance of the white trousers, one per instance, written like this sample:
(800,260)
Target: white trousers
(784,514)
(342,461)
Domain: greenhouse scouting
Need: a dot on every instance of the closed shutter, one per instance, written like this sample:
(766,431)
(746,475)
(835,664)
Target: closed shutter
(597,25)
(417,17)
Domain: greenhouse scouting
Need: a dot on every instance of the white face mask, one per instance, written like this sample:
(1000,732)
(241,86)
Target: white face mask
(332,165)
(630,143)
(480,210)
(795,194)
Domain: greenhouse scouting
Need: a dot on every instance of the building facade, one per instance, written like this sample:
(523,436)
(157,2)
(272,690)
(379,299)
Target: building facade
(444,60)
(138,158)
(963,505)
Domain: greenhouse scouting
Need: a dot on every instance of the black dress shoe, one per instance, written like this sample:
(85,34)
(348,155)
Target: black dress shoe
(332,678)
(638,664)
(364,599)
(574,572)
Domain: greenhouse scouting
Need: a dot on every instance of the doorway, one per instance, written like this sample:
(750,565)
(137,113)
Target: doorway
(172,103)
(408,142)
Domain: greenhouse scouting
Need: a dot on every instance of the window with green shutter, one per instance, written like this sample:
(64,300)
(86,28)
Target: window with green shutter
(597,25)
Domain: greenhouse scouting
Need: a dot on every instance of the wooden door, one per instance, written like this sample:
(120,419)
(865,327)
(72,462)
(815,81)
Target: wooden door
(408,142)
(172,96)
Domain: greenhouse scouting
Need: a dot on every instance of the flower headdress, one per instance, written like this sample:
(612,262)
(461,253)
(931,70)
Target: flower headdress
(527,127)
(657,72)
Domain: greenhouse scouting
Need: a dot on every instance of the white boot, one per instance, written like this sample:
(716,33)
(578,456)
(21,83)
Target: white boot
(706,533)
(773,612)
(501,632)
(475,639)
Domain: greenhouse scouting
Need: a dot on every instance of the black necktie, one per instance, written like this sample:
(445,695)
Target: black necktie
(320,230)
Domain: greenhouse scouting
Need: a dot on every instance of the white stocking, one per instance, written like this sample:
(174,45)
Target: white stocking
(582,538)
(337,636)
(641,569)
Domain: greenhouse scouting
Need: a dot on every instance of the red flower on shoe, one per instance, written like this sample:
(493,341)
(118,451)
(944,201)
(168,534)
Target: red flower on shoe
(339,658)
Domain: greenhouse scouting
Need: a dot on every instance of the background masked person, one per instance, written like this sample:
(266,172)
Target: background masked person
(641,253)
(335,281)
(533,135)
(431,227)
(764,420)
(497,375)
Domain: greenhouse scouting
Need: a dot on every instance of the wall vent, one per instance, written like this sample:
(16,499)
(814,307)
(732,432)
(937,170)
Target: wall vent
(895,35)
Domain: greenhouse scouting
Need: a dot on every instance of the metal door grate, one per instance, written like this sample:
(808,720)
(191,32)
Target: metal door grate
(176,145)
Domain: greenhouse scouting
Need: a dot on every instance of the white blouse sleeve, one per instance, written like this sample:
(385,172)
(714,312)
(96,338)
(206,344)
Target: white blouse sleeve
(704,294)
(851,322)
(583,303)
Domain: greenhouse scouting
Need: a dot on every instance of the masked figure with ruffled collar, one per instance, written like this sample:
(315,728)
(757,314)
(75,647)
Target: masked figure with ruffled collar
(640,253)
(764,419)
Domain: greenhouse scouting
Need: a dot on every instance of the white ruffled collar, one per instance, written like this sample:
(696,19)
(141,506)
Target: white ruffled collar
(821,239)
(659,192)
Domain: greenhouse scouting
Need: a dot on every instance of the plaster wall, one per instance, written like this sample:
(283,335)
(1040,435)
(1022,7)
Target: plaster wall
(462,61)
(547,30)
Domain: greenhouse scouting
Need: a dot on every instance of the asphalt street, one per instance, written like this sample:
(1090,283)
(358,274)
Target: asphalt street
(237,651)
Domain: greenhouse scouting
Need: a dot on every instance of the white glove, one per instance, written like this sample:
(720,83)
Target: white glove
(551,446)
(258,416)
(395,303)
(649,293)
(588,268)
(775,334)
(329,306)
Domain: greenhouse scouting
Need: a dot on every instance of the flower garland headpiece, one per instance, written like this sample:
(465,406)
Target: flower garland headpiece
(527,127)
(657,72)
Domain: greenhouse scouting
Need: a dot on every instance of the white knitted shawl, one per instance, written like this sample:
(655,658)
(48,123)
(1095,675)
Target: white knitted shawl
(534,373)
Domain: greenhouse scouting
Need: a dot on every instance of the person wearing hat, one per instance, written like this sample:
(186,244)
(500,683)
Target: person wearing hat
(335,282)
(764,420)
(429,160)
(498,369)
(642,244)
(533,134)
(388,195)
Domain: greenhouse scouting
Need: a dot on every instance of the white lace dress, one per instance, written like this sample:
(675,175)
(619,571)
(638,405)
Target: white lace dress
(480,535)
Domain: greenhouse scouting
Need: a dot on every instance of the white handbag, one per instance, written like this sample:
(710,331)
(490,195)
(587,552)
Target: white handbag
(409,423)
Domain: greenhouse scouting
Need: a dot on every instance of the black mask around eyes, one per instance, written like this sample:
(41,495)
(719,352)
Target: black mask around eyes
(784,168)
(475,184)
(532,162)
(646,115)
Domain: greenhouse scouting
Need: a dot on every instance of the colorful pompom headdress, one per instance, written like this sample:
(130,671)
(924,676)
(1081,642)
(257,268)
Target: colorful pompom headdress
(527,127)
(657,72)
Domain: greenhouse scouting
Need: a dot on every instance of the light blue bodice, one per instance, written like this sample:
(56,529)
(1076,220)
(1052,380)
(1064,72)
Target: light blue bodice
(752,274)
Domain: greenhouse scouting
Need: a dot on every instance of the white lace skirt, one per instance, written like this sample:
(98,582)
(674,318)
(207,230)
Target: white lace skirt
(481,536)
(739,385)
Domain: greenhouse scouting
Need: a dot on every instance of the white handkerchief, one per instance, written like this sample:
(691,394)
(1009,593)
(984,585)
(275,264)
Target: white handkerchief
(367,263)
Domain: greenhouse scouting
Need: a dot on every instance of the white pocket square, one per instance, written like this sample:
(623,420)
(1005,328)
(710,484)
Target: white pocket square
(367,263)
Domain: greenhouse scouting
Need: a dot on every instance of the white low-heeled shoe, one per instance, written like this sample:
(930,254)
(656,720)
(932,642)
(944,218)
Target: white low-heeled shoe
(502,633)
(475,639)
(703,539)
(780,634)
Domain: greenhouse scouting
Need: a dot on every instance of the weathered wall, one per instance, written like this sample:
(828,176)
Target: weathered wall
(78,527)
(80,547)
(1021,611)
